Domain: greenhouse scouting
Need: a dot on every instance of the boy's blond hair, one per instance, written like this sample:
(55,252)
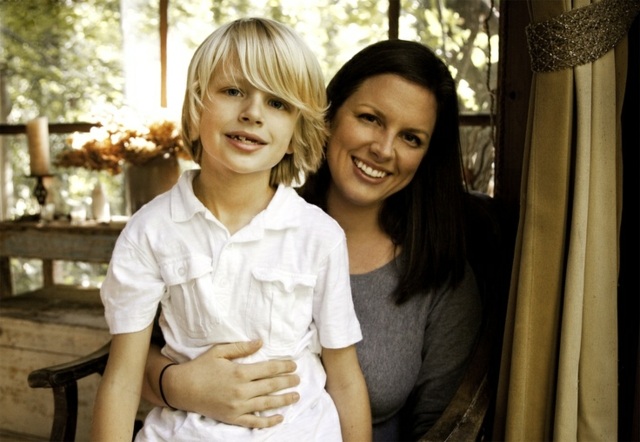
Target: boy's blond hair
(274,59)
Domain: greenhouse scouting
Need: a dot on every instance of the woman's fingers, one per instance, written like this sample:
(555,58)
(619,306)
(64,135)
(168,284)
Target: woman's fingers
(265,403)
(268,388)
(269,372)
(234,350)
(253,421)
(258,370)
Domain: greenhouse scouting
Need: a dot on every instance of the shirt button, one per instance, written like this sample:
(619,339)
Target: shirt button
(182,271)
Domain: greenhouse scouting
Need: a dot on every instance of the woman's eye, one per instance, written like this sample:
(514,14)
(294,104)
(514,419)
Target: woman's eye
(368,117)
(412,139)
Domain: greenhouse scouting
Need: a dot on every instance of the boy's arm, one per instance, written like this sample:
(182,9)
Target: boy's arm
(347,387)
(118,396)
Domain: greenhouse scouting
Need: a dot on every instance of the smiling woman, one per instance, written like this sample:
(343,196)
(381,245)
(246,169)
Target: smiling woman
(379,140)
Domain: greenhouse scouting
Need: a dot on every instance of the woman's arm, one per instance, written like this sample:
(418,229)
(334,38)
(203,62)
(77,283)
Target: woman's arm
(214,386)
(450,337)
(118,395)
(347,387)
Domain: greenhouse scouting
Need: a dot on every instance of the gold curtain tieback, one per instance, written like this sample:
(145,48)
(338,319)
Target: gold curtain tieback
(579,36)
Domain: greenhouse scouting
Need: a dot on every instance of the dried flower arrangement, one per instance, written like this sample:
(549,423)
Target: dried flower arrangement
(109,146)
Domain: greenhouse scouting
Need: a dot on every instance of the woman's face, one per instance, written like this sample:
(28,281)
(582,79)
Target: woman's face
(378,138)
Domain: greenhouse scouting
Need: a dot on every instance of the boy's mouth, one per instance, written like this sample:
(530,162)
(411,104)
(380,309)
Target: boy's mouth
(244,139)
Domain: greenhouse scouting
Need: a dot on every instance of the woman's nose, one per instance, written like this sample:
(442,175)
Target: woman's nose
(382,148)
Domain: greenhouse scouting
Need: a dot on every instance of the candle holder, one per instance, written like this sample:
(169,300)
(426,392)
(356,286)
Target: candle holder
(40,191)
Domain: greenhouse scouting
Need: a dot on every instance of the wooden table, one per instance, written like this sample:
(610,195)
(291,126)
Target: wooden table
(55,240)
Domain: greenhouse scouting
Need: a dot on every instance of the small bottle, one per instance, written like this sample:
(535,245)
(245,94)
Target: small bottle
(99,205)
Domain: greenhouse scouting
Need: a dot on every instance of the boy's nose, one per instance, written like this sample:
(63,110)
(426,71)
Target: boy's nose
(252,112)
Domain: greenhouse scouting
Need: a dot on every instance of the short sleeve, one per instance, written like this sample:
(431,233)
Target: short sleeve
(133,288)
(333,312)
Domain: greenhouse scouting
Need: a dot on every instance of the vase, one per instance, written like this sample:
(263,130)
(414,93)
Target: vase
(146,181)
(100,208)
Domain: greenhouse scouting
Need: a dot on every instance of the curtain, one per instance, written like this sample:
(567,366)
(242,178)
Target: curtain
(558,375)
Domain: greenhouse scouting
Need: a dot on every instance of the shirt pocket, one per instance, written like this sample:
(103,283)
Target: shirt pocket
(281,306)
(188,279)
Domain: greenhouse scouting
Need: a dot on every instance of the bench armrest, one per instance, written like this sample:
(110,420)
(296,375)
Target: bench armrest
(65,374)
(63,380)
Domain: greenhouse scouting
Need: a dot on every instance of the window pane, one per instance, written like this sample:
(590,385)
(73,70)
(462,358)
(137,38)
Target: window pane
(465,34)
(73,60)
(334,29)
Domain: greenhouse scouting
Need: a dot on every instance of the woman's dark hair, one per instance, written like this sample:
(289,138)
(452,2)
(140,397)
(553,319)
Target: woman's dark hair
(426,217)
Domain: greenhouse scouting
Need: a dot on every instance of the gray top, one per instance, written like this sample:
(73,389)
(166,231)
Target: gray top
(415,353)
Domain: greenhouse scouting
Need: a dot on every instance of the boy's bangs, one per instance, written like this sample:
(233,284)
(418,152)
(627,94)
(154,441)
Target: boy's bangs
(270,69)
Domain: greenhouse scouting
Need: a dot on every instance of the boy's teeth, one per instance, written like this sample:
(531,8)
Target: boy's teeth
(244,139)
(369,171)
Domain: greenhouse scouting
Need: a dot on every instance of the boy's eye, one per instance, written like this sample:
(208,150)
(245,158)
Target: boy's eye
(233,92)
(277,104)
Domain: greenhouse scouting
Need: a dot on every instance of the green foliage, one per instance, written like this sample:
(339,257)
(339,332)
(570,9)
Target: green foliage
(60,58)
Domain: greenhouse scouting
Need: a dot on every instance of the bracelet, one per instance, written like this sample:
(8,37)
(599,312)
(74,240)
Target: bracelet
(160,383)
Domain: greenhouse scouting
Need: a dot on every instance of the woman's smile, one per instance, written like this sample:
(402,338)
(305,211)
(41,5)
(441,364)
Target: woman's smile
(369,171)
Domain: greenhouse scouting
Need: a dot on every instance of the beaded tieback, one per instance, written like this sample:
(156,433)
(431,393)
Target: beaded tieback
(579,36)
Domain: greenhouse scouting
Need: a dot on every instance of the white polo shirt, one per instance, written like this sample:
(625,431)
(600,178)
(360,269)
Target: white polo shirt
(283,278)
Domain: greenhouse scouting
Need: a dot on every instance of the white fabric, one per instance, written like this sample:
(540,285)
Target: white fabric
(283,278)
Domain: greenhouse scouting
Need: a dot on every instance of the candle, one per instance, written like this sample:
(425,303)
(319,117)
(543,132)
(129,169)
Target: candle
(38,139)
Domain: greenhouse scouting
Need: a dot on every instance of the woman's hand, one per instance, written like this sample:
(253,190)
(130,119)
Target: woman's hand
(215,386)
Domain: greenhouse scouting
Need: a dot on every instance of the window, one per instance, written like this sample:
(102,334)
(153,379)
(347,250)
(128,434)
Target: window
(85,60)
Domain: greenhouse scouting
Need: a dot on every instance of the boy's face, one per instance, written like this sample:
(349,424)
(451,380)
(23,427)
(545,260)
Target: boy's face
(244,130)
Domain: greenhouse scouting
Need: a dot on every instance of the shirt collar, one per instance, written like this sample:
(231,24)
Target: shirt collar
(283,211)
(184,204)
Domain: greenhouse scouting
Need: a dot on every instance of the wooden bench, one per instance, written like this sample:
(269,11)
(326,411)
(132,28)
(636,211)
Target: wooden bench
(51,325)
(46,327)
